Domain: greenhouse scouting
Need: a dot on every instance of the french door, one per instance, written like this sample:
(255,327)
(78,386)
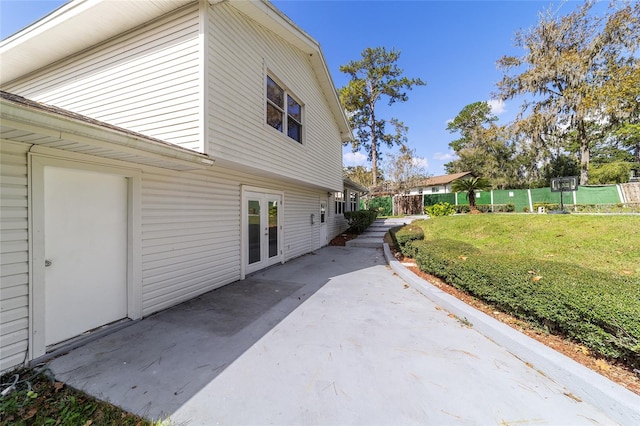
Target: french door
(262,214)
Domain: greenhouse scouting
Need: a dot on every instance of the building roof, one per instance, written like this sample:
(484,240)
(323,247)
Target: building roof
(55,37)
(442,180)
(353,185)
(26,121)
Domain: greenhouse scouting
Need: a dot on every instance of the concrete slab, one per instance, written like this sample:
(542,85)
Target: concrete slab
(334,337)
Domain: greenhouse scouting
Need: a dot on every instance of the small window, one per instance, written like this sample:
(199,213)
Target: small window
(281,116)
(339,197)
(434,189)
(353,201)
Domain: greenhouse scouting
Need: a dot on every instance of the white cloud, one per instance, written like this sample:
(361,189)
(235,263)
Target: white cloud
(420,162)
(446,156)
(497,106)
(354,159)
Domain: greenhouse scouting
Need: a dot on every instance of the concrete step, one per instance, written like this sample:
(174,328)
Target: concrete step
(372,234)
(365,242)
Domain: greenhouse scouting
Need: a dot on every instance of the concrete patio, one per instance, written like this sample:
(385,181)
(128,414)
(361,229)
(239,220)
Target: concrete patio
(333,337)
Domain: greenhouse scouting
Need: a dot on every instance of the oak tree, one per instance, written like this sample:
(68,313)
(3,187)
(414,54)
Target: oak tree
(566,68)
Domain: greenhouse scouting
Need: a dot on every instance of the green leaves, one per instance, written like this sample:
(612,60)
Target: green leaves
(576,69)
(374,77)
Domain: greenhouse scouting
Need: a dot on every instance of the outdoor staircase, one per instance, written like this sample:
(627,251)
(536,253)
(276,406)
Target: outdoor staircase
(373,236)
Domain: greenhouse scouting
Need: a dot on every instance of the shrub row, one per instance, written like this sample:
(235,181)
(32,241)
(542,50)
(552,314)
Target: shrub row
(404,235)
(596,309)
(360,220)
(487,208)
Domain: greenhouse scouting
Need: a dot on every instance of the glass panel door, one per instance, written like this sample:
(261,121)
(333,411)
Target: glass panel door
(273,228)
(263,230)
(253,231)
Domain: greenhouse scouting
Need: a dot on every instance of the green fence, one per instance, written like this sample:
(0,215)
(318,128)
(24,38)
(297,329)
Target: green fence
(524,199)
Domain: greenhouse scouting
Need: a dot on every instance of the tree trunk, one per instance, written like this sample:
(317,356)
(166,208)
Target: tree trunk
(374,148)
(585,154)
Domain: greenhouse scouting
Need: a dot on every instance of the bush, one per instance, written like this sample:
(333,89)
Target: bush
(403,236)
(440,209)
(360,220)
(547,206)
(557,296)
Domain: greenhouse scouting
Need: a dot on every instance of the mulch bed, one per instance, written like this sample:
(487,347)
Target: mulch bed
(341,239)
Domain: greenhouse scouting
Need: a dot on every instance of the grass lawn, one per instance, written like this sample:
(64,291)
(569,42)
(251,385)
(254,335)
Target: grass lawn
(35,398)
(603,243)
(575,275)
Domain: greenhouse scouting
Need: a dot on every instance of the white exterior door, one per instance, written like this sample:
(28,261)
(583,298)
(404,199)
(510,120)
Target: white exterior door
(85,247)
(323,223)
(263,230)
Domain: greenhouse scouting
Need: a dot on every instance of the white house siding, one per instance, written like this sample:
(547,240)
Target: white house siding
(335,223)
(146,80)
(14,254)
(191,230)
(190,236)
(240,52)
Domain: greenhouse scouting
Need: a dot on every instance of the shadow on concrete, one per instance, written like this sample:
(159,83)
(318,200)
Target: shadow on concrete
(157,364)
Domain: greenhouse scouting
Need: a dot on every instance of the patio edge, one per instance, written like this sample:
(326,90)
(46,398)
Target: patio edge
(616,401)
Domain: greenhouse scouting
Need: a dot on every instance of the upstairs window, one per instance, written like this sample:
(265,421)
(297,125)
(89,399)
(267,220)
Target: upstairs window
(283,111)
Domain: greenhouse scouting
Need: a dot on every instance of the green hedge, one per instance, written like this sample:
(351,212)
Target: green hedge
(360,220)
(596,309)
(404,236)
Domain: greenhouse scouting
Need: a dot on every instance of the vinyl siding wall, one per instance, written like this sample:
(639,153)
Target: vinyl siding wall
(146,80)
(240,53)
(14,254)
(191,230)
(190,223)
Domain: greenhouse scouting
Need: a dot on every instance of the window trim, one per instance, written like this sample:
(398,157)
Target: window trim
(339,203)
(284,110)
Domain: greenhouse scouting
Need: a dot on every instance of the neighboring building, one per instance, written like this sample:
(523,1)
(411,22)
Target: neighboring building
(437,184)
(153,151)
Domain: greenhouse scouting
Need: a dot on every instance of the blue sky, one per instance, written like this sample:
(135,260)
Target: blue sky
(452,45)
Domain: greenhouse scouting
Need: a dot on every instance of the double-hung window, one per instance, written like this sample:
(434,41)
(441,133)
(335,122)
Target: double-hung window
(284,112)
(353,201)
(339,197)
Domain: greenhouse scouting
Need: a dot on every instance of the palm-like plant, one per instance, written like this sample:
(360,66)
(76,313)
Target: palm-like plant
(471,186)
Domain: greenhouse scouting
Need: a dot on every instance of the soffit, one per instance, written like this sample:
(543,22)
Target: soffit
(73,27)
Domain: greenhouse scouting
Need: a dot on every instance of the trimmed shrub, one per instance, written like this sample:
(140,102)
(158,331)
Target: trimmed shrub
(597,309)
(360,220)
(440,209)
(404,236)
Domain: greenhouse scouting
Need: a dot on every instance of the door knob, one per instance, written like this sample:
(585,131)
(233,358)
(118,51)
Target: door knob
(47,263)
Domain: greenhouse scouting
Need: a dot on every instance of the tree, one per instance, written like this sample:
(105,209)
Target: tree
(361,175)
(470,122)
(565,69)
(483,148)
(404,169)
(471,186)
(374,77)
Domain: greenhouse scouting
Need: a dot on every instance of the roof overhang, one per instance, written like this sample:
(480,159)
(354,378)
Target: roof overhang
(348,183)
(55,37)
(31,123)
(72,28)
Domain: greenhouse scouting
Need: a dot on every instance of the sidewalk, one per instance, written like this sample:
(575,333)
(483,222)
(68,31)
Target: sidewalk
(331,338)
